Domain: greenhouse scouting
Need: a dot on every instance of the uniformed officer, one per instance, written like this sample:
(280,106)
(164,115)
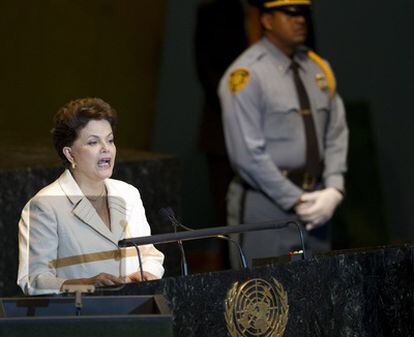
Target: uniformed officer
(286,133)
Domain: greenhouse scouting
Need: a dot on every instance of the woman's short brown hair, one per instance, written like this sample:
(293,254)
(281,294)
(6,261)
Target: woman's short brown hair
(74,116)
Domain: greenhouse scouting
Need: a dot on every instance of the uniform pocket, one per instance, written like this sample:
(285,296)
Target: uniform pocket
(281,121)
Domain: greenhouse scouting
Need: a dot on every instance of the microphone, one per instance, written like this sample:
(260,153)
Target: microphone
(167,213)
(170,213)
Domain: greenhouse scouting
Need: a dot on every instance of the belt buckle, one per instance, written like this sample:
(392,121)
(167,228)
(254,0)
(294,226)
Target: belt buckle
(308,181)
(305,112)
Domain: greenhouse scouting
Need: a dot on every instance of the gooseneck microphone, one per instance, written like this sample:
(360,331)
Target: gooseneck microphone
(171,216)
(141,272)
(168,214)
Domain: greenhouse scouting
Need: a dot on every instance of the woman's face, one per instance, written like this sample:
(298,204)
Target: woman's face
(93,151)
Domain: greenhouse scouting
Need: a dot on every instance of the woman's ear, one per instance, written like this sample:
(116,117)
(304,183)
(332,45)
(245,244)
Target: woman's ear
(67,151)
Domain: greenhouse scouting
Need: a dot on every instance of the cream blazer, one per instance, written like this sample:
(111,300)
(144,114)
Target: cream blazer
(62,237)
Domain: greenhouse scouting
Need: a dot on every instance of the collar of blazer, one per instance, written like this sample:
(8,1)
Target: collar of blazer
(83,209)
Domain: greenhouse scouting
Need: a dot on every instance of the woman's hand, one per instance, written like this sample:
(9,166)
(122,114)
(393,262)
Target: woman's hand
(104,279)
(136,277)
(100,280)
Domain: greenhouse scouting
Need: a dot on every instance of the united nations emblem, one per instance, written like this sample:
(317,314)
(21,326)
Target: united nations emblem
(238,79)
(257,308)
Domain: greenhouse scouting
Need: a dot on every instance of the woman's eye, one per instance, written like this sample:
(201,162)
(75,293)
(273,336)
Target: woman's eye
(111,141)
(92,142)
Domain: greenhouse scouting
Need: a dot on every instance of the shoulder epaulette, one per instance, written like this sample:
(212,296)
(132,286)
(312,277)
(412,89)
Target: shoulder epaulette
(253,55)
(326,69)
(240,74)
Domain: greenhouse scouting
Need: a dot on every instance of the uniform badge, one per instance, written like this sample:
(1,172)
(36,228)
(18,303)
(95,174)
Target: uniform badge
(238,79)
(322,82)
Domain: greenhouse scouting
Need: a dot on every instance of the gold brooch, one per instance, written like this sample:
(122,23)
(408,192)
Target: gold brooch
(257,308)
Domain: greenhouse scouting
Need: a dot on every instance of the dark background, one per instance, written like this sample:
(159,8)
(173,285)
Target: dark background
(54,51)
(139,56)
(368,46)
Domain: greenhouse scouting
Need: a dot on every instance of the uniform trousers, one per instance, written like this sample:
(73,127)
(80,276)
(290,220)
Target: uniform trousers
(250,206)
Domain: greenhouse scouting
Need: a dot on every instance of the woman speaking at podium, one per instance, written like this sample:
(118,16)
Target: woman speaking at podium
(68,232)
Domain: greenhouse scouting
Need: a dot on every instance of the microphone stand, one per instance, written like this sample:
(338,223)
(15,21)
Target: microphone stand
(139,261)
(243,261)
(168,213)
(211,232)
(184,266)
(302,241)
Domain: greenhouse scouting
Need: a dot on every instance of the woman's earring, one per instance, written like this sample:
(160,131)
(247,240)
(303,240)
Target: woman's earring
(73,165)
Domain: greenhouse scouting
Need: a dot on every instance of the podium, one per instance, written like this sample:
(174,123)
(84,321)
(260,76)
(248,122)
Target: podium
(100,316)
(363,292)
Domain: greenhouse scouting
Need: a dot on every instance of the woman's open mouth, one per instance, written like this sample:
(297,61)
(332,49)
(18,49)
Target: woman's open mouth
(104,163)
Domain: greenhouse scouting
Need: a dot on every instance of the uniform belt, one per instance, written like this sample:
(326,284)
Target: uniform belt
(302,178)
(299,177)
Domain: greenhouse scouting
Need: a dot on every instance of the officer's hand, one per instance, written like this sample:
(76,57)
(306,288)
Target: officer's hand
(315,208)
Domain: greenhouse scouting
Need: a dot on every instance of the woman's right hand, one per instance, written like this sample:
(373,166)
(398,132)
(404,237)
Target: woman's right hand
(104,279)
(100,280)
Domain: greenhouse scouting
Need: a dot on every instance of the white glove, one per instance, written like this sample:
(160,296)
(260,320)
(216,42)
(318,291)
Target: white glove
(317,207)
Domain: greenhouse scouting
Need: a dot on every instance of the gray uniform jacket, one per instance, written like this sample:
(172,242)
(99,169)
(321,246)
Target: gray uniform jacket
(265,133)
(61,236)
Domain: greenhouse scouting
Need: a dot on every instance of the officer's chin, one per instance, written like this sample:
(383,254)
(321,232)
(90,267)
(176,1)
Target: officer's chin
(300,38)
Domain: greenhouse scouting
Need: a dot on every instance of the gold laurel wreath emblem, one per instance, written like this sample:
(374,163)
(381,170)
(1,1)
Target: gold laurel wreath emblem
(251,312)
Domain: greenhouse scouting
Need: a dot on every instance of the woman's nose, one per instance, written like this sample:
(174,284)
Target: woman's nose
(104,147)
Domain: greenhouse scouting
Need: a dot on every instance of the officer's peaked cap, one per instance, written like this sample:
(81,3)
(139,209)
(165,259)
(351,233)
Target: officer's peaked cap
(269,4)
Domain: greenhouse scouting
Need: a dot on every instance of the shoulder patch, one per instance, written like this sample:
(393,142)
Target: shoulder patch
(238,79)
(321,81)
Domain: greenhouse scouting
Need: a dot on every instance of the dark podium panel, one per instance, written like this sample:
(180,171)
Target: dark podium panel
(367,292)
(144,316)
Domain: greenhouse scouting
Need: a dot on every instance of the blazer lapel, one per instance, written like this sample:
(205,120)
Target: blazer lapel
(87,213)
(82,208)
(119,211)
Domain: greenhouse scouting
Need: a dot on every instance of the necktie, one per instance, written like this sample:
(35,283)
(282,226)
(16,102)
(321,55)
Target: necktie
(313,164)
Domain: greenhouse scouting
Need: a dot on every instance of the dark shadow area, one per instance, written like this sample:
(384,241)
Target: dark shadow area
(361,220)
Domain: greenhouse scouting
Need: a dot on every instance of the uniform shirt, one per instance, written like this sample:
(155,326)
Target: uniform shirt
(263,130)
